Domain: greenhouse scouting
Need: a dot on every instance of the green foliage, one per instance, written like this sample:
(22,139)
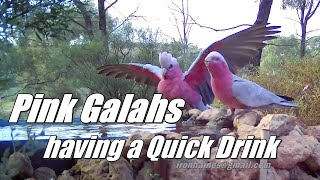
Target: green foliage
(295,4)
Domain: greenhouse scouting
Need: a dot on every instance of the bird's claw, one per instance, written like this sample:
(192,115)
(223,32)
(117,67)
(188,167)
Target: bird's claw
(209,107)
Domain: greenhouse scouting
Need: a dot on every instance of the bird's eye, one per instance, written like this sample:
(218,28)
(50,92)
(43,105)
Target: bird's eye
(171,66)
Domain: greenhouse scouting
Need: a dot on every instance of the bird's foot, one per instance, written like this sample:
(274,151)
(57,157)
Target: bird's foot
(208,107)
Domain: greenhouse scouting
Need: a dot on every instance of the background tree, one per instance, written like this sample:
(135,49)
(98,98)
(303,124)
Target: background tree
(305,10)
(182,22)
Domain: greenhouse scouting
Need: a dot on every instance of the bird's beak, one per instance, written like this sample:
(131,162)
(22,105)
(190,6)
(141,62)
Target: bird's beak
(164,71)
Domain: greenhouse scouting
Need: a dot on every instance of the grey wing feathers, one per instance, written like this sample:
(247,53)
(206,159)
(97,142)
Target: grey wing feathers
(253,95)
(205,90)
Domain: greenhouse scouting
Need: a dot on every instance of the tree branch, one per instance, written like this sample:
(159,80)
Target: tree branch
(131,15)
(110,5)
(314,10)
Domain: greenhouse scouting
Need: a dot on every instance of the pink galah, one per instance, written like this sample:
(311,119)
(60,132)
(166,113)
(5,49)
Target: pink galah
(194,85)
(239,93)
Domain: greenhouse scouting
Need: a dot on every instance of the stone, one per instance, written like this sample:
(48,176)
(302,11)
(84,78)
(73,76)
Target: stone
(225,131)
(138,163)
(194,113)
(178,169)
(293,149)
(234,134)
(96,169)
(298,173)
(277,174)
(5,177)
(65,175)
(250,118)
(160,169)
(145,136)
(283,174)
(244,130)
(173,135)
(44,173)
(230,168)
(278,124)
(314,131)
(313,162)
(19,166)
(218,124)
(212,114)
(146,172)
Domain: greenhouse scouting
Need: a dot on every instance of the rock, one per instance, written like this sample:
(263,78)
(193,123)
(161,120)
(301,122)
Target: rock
(44,173)
(212,114)
(277,174)
(278,124)
(173,135)
(160,169)
(216,117)
(146,137)
(314,131)
(293,149)
(220,123)
(283,174)
(65,175)
(5,177)
(230,168)
(313,162)
(178,169)
(234,134)
(19,166)
(225,131)
(96,169)
(250,118)
(146,172)
(138,163)
(244,130)
(194,113)
(299,174)
(185,114)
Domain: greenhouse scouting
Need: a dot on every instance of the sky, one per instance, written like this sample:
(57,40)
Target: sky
(213,13)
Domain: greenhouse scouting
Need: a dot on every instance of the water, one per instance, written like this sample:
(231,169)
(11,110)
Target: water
(77,130)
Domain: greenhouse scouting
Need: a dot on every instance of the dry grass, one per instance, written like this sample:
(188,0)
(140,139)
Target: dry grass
(297,79)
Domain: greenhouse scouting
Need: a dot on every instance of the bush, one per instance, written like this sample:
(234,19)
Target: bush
(299,79)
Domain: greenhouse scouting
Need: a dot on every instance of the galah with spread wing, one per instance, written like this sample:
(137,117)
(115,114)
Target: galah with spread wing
(239,93)
(194,85)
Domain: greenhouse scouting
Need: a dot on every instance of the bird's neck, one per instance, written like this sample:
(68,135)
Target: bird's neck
(220,71)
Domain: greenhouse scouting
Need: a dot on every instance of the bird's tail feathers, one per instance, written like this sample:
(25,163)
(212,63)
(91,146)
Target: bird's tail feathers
(286,97)
(288,104)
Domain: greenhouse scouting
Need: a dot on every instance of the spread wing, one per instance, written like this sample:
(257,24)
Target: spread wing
(238,49)
(142,73)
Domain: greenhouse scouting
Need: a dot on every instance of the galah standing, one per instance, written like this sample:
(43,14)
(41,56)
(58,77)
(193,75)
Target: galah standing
(236,92)
(194,85)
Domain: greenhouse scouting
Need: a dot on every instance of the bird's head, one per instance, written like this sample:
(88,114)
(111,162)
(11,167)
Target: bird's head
(216,63)
(169,65)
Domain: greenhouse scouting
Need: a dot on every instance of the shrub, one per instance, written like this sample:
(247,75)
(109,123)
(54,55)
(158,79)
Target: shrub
(299,79)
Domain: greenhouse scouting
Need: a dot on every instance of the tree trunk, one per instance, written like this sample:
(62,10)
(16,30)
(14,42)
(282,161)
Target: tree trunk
(303,23)
(262,18)
(303,40)
(102,18)
(86,16)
